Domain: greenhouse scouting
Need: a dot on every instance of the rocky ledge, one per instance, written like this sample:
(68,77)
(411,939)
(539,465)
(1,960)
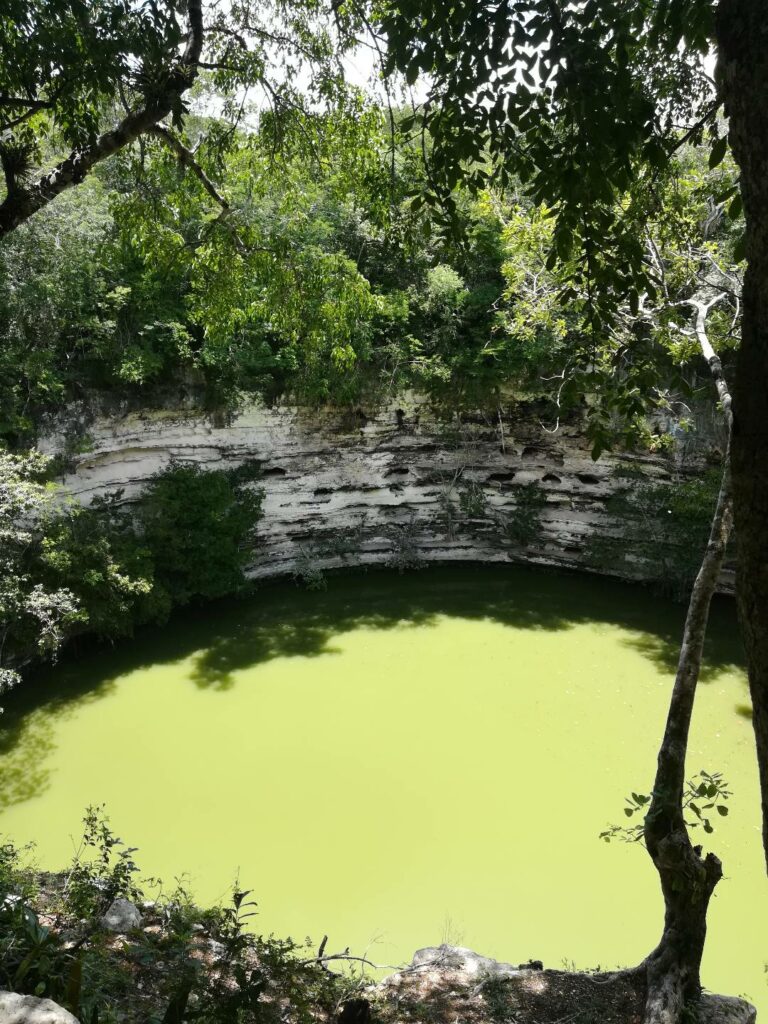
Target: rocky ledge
(378,485)
(445,984)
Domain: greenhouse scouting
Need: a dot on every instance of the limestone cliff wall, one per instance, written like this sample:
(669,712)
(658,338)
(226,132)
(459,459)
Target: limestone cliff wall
(375,485)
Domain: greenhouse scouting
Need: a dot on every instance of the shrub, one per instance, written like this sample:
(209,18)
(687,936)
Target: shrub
(472,500)
(523,524)
(34,618)
(96,554)
(307,571)
(405,545)
(197,526)
(69,570)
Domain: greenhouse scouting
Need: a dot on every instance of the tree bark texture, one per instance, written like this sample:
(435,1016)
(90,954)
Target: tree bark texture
(742,38)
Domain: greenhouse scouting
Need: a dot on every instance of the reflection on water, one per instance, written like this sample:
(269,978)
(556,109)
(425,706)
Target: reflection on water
(402,760)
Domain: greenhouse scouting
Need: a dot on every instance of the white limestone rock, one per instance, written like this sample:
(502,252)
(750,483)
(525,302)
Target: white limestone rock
(122,916)
(471,965)
(18,1009)
(336,481)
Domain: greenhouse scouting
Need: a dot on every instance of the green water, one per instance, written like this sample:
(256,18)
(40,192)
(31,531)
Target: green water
(403,760)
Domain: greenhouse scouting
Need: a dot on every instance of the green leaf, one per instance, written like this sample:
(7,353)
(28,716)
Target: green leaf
(717,153)
(722,810)
(412,71)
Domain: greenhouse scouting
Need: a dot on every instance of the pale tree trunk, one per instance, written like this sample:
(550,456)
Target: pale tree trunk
(687,879)
(742,39)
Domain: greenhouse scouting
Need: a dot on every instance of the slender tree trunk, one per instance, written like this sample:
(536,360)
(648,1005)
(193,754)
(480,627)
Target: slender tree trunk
(687,878)
(742,37)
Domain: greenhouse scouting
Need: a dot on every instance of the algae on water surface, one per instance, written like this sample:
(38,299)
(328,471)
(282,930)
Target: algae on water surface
(402,760)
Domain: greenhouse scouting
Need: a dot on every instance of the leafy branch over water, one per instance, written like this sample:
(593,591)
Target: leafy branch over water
(703,786)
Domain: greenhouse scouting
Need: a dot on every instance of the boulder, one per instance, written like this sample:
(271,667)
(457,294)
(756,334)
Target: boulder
(122,916)
(725,1010)
(465,961)
(18,1009)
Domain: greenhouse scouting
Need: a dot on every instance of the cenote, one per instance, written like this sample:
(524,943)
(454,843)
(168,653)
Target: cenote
(403,760)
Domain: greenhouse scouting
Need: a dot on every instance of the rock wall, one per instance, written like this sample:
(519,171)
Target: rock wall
(377,485)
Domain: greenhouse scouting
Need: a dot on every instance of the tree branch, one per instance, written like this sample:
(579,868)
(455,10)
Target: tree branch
(22,101)
(708,115)
(187,159)
(20,206)
(712,358)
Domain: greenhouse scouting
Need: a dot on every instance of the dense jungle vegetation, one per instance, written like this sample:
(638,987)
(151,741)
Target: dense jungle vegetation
(563,217)
(326,282)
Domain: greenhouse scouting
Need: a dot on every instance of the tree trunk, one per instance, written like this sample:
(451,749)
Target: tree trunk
(672,970)
(742,37)
(687,878)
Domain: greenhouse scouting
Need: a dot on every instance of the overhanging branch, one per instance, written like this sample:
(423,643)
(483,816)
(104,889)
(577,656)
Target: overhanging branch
(187,159)
(19,206)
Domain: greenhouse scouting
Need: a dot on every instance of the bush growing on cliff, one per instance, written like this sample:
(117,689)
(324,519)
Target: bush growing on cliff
(96,553)
(68,569)
(34,617)
(403,537)
(473,502)
(523,524)
(197,526)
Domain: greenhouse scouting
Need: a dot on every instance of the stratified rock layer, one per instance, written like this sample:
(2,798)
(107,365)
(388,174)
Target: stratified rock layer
(381,485)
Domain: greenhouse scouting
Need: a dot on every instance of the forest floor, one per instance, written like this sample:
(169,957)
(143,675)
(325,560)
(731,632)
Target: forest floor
(534,996)
(451,985)
(178,964)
